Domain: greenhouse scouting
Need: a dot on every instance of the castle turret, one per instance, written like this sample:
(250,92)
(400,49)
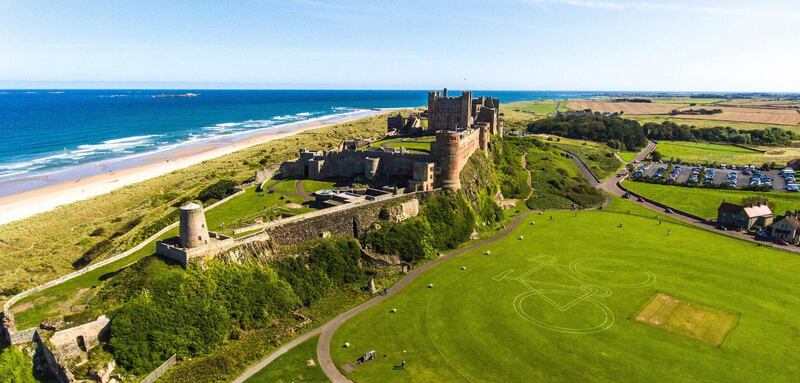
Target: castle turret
(484,137)
(193,230)
(446,156)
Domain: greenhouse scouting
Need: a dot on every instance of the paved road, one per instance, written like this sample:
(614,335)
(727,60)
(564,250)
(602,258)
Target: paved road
(612,186)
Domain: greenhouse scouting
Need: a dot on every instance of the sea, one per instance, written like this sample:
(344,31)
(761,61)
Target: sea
(46,131)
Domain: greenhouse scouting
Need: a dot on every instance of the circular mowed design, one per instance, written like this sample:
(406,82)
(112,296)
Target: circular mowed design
(584,316)
(612,273)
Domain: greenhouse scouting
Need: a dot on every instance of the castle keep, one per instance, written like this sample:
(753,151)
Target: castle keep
(461,125)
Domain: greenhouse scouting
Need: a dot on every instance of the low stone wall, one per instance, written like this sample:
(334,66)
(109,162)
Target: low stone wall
(160,370)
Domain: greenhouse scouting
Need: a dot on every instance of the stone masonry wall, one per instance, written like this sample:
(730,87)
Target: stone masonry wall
(353,222)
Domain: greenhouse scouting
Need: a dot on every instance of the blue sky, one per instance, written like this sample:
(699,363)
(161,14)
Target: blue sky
(491,44)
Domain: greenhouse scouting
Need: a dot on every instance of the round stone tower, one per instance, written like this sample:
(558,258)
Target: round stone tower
(193,230)
(447,143)
(484,137)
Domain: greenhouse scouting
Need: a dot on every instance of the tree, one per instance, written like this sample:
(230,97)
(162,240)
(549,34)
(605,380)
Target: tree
(655,155)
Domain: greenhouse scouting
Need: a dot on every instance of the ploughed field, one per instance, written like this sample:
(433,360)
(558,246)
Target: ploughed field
(590,296)
(747,114)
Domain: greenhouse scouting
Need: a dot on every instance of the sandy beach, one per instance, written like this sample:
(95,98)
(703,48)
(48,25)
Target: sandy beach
(48,192)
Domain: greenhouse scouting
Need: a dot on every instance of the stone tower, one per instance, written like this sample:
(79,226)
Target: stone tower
(193,230)
(447,156)
(484,137)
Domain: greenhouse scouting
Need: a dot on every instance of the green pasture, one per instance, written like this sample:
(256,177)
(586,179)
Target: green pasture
(560,304)
(597,156)
(69,296)
(704,202)
(706,153)
(291,367)
(541,107)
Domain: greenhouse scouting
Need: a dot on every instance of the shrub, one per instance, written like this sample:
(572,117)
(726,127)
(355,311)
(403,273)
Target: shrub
(216,191)
(15,366)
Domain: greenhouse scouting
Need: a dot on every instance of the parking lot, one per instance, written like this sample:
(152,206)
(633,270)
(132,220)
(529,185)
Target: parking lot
(738,178)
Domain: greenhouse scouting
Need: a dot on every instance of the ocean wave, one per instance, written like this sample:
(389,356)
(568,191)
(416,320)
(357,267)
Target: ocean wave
(126,148)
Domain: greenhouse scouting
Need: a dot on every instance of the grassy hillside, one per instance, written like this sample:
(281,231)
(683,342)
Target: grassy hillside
(579,306)
(597,156)
(704,202)
(706,153)
(291,367)
(40,248)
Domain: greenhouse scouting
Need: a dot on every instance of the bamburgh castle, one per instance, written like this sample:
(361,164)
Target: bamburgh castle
(461,125)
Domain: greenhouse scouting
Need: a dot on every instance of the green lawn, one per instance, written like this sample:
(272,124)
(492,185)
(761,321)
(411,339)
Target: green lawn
(628,156)
(479,323)
(238,211)
(541,107)
(704,202)
(705,153)
(422,144)
(597,156)
(291,367)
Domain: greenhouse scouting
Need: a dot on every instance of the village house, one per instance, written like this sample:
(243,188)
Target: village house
(786,228)
(738,217)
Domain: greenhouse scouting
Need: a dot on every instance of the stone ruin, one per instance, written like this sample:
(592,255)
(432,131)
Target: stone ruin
(65,350)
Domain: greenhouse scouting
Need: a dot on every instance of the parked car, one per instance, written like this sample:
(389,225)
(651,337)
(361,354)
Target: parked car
(668,211)
(781,242)
(640,199)
(626,195)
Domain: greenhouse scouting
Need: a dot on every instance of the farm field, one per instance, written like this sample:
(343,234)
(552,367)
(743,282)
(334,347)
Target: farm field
(626,107)
(687,120)
(704,202)
(540,108)
(541,308)
(758,115)
(706,153)
(686,100)
(291,367)
(71,296)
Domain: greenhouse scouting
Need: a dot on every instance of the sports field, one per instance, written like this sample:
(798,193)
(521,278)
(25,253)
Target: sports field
(704,202)
(705,153)
(560,305)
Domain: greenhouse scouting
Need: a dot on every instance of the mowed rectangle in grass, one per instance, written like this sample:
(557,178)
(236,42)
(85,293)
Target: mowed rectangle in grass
(683,317)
